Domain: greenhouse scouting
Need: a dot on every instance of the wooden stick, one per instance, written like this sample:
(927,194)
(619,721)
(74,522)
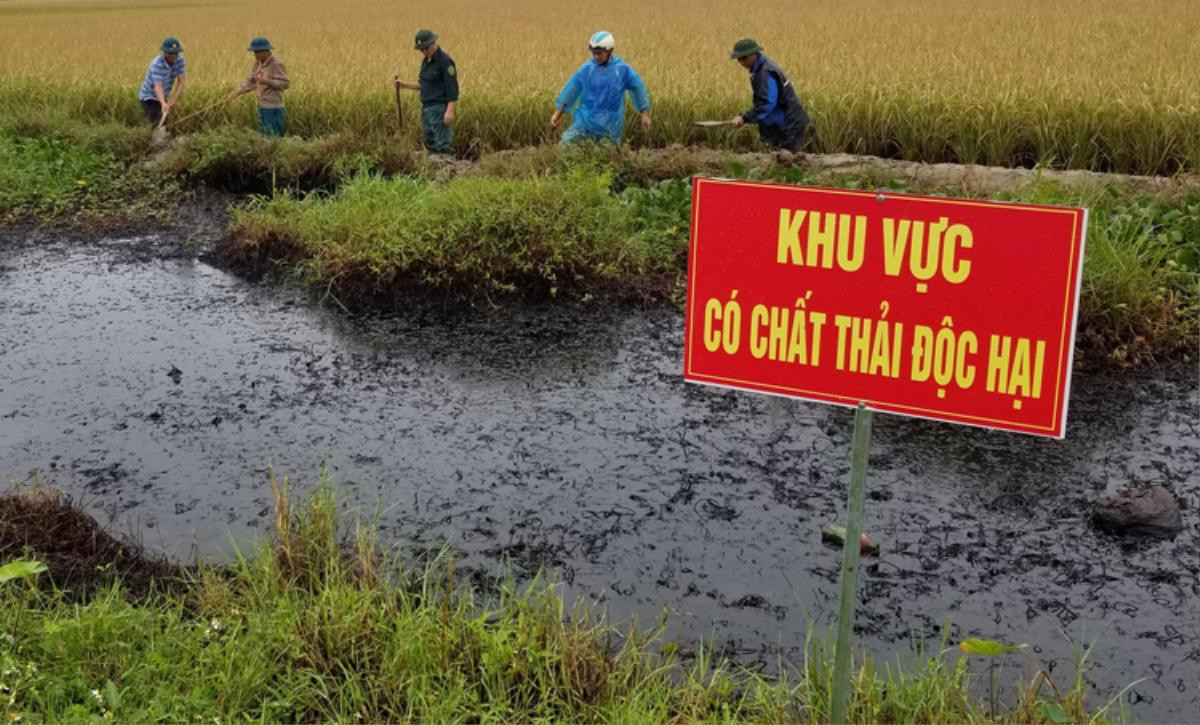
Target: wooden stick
(399,110)
(193,114)
(258,69)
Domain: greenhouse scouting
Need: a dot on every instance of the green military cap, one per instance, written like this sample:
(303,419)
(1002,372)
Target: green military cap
(260,43)
(171,45)
(745,47)
(425,38)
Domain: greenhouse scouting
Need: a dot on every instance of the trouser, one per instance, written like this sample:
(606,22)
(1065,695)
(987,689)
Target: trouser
(270,121)
(783,137)
(574,134)
(153,111)
(438,138)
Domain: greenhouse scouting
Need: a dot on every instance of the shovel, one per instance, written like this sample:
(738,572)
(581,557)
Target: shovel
(159,135)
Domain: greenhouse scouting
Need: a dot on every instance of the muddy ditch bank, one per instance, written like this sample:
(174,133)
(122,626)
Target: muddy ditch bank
(682,161)
(207,160)
(158,389)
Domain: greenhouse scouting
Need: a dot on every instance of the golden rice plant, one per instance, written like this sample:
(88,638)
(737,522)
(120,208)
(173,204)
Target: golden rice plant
(1104,84)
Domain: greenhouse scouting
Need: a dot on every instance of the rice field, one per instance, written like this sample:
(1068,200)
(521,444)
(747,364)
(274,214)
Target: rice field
(1101,84)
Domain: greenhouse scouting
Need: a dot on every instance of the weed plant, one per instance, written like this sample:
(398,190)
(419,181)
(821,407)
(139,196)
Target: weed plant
(572,232)
(362,219)
(323,624)
(471,235)
(51,180)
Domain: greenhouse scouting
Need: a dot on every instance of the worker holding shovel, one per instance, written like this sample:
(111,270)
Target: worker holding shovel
(268,79)
(439,92)
(164,81)
(777,110)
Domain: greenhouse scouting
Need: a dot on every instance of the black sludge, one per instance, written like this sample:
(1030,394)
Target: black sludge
(159,389)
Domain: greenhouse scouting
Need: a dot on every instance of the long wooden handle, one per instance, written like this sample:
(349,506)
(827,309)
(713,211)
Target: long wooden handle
(258,69)
(399,110)
(193,114)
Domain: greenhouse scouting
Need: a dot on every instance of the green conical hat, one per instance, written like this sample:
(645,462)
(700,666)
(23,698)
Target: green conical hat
(745,47)
(425,38)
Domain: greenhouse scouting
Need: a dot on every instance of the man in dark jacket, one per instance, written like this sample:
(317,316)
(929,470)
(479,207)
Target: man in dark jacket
(438,85)
(777,110)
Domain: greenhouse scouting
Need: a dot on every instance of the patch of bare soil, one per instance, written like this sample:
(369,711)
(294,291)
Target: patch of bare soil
(683,161)
(984,179)
(79,554)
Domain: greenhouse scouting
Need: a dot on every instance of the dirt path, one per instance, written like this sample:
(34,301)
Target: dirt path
(681,161)
(990,178)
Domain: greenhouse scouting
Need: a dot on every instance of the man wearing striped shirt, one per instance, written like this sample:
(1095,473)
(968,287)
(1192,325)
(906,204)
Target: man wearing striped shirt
(164,81)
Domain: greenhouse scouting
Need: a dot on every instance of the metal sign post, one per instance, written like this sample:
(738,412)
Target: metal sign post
(850,556)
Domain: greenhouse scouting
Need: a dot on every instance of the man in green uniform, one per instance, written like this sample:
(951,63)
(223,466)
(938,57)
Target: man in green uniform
(439,92)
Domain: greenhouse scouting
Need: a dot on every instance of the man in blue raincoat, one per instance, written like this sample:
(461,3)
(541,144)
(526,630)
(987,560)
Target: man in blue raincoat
(599,86)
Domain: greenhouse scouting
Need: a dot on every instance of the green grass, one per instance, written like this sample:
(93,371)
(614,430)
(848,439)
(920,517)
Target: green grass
(536,236)
(322,624)
(240,159)
(1140,291)
(1139,295)
(78,179)
(361,218)
(571,230)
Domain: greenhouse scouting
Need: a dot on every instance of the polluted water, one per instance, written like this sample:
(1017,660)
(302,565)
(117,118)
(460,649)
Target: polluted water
(159,389)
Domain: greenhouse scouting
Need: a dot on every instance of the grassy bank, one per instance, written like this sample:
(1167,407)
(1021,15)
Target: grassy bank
(469,236)
(575,232)
(323,624)
(368,222)
(86,180)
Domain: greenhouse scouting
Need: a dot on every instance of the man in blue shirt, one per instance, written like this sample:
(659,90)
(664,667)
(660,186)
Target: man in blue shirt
(164,82)
(599,86)
(777,110)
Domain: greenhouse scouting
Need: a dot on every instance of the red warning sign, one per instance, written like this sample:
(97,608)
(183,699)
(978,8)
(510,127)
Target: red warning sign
(951,309)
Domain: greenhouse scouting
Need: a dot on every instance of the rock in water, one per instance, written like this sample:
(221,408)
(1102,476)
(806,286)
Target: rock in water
(1152,511)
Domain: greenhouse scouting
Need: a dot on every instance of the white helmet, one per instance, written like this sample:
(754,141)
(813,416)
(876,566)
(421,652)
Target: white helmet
(602,40)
